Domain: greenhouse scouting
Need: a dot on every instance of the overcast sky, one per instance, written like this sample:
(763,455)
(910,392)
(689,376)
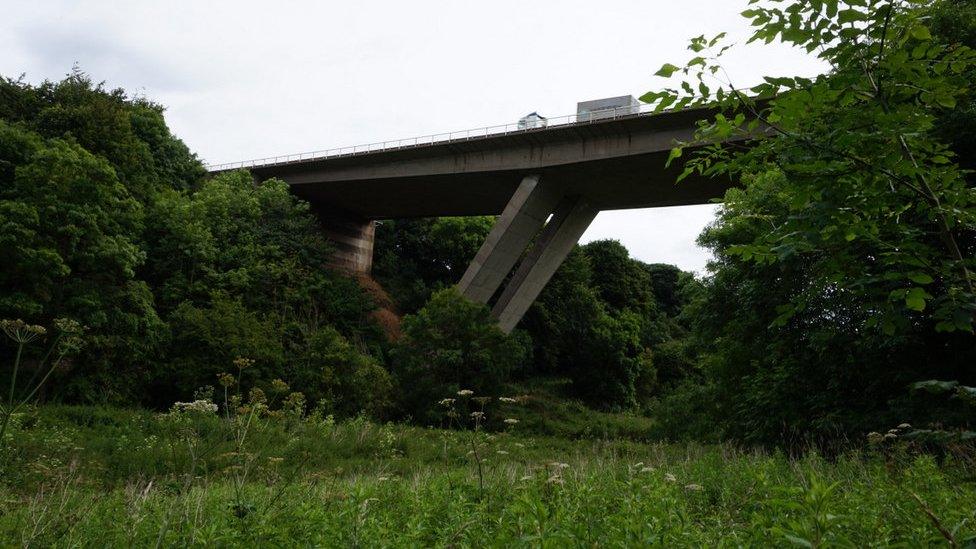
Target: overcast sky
(244,79)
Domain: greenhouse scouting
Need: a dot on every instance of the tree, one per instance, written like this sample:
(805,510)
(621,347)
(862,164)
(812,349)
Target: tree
(874,196)
(449,345)
(415,257)
(68,248)
(843,268)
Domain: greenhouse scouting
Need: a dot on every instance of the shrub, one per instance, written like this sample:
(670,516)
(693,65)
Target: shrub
(344,380)
(205,342)
(452,344)
(609,362)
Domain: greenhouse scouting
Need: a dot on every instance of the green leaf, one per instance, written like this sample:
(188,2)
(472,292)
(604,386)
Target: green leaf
(921,32)
(920,278)
(915,299)
(667,70)
(946,101)
(651,96)
(850,16)
(675,153)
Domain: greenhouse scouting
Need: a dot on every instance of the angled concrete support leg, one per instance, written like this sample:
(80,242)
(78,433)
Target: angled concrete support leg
(525,213)
(571,218)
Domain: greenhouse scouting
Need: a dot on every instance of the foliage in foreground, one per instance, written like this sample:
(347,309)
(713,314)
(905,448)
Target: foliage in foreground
(116,477)
(844,266)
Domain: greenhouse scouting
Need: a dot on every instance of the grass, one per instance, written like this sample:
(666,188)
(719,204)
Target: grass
(87,476)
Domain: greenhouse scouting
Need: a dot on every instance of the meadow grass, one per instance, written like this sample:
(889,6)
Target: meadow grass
(88,476)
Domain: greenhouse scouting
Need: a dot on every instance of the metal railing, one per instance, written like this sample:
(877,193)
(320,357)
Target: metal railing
(628,111)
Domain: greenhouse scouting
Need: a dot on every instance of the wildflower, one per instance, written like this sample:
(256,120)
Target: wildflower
(646,469)
(20,331)
(225,379)
(477,415)
(279,386)
(555,479)
(670,478)
(501,452)
(71,331)
(68,325)
(465,392)
(383,479)
(243,363)
(511,421)
(446,402)
(875,438)
(890,436)
(693,487)
(509,400)
(257,396)
(294,402)
(904,426)
(197,406)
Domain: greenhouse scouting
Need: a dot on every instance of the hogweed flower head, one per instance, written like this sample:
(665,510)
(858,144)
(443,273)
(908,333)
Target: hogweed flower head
(243,363)
(279,386)
(225,379)
(446,402)
(257,396)
(20,331)
(197,406)
(875,438)
(508,400)
(510,421)
(465,392)
(71,330)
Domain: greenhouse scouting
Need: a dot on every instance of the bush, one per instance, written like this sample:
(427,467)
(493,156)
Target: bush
(452,344)
(609,363)
(343,380)
(205,342)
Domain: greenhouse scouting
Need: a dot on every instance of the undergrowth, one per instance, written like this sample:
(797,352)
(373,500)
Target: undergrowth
(83,476)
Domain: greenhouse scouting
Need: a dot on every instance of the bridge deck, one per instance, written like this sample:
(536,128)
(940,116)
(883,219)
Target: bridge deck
(616,163)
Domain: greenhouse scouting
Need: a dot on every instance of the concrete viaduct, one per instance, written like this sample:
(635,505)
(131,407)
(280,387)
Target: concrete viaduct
(546,184)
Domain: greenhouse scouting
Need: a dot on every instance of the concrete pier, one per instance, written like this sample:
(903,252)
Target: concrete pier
(569,221)
(352,236)
(518,224)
